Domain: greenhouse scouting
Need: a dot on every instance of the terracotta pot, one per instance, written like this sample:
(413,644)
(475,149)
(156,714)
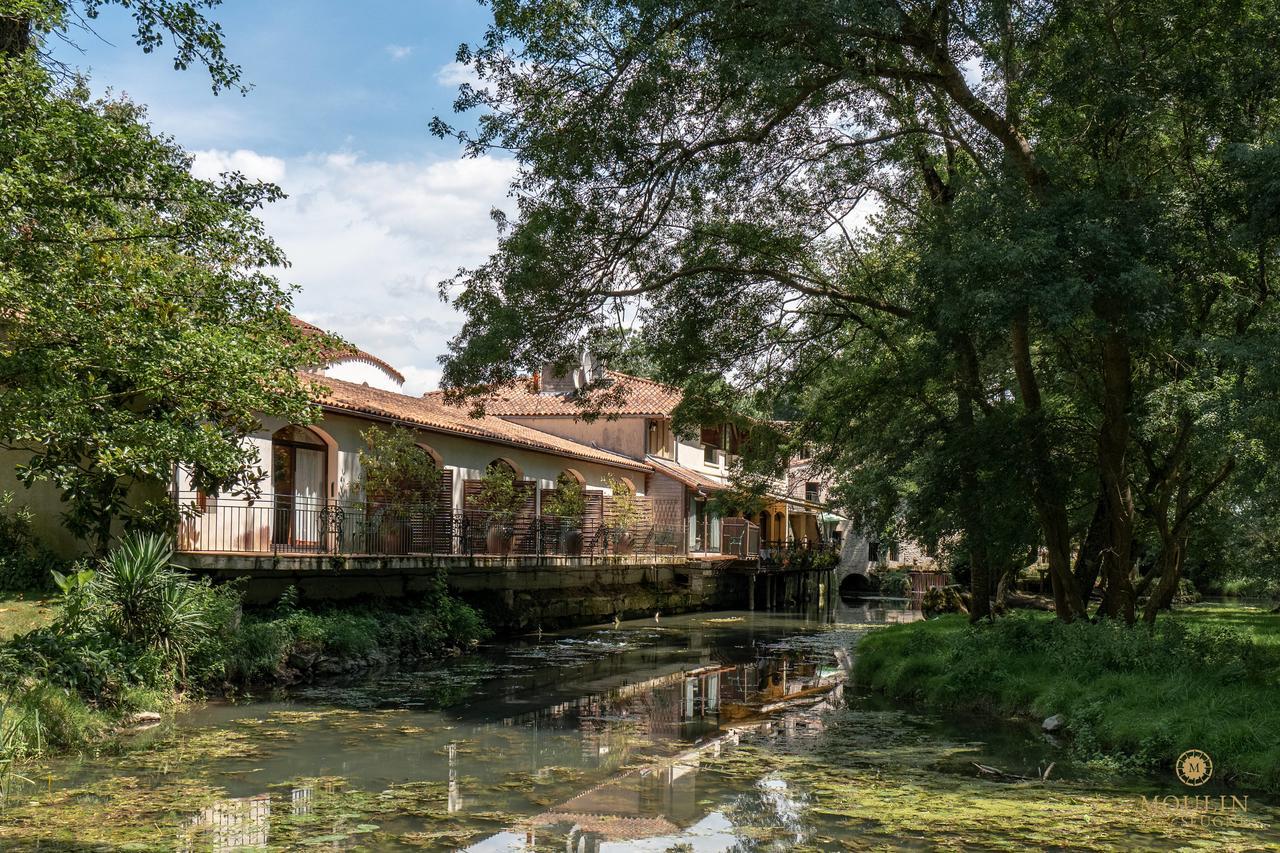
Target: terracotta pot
(622,542)
(498,540)
(393,537)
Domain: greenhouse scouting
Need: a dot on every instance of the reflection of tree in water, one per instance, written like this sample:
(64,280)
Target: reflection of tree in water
(770,815)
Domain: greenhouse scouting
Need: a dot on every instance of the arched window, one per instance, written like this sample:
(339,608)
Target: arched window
(299,474)
(502,462)
(436,458)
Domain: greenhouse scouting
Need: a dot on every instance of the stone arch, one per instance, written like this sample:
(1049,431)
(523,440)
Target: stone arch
(302,435)
(854,584)
(431,451)
(575,475)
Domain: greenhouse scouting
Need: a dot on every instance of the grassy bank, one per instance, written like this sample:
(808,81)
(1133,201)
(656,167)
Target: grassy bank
(135,635)
(1207,677)
(20,614)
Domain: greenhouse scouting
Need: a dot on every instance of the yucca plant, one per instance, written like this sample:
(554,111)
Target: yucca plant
(145,599)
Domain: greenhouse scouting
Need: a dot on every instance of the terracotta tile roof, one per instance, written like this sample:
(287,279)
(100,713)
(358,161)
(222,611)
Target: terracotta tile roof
(622,395)
(433,414)
(350,353)
(689,477)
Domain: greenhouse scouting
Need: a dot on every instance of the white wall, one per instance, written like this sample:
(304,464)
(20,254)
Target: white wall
(689,453)
(466,457)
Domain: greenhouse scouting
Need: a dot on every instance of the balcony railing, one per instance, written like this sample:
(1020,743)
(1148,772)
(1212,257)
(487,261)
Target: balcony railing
(276,524)
(798,553)
(739,537)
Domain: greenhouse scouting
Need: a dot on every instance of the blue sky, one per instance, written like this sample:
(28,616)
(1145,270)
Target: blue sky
(379,210)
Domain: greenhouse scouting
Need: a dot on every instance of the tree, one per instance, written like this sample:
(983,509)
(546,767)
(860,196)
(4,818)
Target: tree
(1066,278)
(140,328)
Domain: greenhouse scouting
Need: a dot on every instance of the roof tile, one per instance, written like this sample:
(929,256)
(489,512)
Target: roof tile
(622,395)
(432,413)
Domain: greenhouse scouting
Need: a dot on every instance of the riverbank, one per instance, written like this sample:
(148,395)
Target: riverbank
(1206,678)
(83,672)
(630,735)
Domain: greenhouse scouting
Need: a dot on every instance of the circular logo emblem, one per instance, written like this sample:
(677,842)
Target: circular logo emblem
(1194,767)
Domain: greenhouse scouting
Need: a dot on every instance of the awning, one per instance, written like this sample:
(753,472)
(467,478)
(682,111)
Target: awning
(831,518)
(695,480)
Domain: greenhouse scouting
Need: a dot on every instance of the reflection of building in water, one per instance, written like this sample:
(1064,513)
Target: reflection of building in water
(455,795)
(229,825)
(705,708)
(300,798)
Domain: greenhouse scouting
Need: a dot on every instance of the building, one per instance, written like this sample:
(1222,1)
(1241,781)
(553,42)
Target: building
(636,419)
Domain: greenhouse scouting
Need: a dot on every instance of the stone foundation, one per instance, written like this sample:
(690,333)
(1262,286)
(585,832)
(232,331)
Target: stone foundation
(516,593)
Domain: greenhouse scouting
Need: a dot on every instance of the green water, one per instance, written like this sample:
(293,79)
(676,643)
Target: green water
(641,737)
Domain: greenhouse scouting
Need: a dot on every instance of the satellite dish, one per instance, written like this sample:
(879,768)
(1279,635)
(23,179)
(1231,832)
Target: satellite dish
(590,367)
(579,379)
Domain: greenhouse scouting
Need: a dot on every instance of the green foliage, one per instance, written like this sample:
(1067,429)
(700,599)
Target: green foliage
(25,563)
(1050,184)
(270,643)
(397,472)
(196,40)
(141,328)
(499,496)
(569,500)
(895,584)
(143,600)
(1133,696)
(626,506)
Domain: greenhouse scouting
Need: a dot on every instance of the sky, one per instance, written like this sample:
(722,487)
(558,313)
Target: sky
(379,210)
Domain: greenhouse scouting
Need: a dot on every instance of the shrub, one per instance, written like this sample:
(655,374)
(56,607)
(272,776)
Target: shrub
(895,584)
(567,500)
(143,600)
(26,565)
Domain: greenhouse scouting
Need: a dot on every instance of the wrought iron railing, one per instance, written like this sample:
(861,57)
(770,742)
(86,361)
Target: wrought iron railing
(797,553)
(295,525)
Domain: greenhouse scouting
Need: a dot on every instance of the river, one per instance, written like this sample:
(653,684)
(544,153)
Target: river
(714,731)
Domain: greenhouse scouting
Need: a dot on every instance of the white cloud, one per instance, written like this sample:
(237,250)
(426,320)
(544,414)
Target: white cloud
(210,164)
(454,74)
(398,52)
(369,242)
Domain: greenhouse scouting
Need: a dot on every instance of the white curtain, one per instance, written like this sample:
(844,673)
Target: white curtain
(308,491)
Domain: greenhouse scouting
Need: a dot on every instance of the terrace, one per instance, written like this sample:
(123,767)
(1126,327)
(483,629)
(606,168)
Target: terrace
(296,526)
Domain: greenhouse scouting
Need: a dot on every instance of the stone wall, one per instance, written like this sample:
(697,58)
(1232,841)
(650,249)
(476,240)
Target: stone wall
(516,594)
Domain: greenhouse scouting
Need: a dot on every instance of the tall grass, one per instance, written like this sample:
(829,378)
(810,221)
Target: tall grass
(1131,696)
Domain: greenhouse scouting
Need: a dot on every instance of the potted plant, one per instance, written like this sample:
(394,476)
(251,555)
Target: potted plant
(568,503)
(500,498)
(626,512)
(401,482)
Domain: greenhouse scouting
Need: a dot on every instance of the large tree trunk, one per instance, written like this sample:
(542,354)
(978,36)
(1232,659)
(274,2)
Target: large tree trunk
(968,385)
(1047,492)
(1113,447)
(1089,557)
(1170,572)
(971,514)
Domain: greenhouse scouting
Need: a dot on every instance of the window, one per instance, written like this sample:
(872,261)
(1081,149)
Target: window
(655,437)
(811,492)
(299,474)
(710,455)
